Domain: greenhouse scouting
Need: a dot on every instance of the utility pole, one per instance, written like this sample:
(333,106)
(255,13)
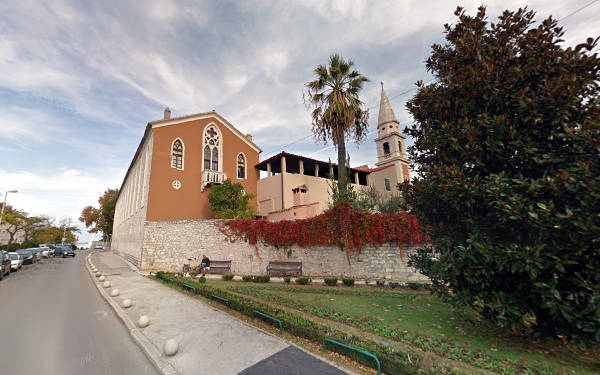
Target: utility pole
(4,203)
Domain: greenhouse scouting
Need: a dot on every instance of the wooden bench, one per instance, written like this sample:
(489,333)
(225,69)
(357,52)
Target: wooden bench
(284,268)
(220,266)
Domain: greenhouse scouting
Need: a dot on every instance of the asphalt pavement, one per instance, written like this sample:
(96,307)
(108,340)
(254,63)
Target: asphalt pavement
(54,321)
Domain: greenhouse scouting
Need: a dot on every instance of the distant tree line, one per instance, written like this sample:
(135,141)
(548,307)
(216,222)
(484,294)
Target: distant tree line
(25,230)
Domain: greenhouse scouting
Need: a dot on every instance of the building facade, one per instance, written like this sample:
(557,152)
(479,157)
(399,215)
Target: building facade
(172,171)
(297,187)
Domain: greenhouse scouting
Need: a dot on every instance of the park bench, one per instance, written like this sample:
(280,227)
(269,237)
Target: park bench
(284,268)
(220,266)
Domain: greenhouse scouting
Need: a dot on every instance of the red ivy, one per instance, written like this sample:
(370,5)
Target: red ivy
(341,225)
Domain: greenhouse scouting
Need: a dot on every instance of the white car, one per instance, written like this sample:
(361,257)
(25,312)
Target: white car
(15,261)
(45,251)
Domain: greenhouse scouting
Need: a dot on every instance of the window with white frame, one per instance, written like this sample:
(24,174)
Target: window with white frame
(177,154)
(212,148)
(241,166)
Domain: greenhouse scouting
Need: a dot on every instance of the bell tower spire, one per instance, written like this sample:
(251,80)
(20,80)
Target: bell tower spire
(391,148)
(386,122)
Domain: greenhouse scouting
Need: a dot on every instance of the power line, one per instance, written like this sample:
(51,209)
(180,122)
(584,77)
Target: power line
(372,107)
(578,10)
(414,88)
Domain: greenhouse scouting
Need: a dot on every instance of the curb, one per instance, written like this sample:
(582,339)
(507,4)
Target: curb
(153,354)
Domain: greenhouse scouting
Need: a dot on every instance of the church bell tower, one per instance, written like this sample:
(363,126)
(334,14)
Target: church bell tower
(391,147)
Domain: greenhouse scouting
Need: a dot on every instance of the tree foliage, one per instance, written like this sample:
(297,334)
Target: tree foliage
(338,111)
(35,229)
(229,201)
(508,173)
(371,200)
(102,218)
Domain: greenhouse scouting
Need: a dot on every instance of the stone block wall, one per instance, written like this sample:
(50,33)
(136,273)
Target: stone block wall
(168,245)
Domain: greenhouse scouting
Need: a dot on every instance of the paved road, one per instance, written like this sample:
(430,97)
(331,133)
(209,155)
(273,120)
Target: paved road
(54,321)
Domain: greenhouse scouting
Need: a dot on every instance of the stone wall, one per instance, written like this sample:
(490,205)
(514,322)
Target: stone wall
(168,245)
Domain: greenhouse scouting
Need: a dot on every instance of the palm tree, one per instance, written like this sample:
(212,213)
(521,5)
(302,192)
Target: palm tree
(337,109)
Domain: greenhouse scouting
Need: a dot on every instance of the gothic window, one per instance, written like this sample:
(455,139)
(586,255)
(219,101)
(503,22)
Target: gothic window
(241,166)
(177,154)
(215,159)
(386,148)
(212,148)
(206,157)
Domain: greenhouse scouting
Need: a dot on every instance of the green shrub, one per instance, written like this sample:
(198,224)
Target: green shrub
(247,278)
(193,273)
(227,277)
(331,281)
(287,279)
(348,281)
(303,280)
(394,284)
(261,278)
(202,279)
(380,282)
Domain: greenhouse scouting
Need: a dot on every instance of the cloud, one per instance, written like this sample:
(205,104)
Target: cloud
(58,193)
(79,80)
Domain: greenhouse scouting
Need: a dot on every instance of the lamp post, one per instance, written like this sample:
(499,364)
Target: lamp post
(4,203)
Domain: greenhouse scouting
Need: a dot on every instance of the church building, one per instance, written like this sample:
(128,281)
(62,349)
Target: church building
(173,169)
(298,187)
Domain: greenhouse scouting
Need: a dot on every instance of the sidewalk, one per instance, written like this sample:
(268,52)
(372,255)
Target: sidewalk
(210,341)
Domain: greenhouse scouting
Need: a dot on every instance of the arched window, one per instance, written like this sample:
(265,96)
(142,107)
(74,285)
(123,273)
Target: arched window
(215,159)
(241,166)
(177,154)
(400,147)
(386,148)
(212,148)
(207,157)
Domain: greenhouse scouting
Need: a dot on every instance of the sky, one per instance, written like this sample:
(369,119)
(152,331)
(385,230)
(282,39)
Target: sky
(79,80)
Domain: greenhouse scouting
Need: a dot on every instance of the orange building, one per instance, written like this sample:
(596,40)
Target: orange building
(171,174)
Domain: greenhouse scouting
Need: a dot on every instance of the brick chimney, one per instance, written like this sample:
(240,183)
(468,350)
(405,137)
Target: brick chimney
(167,114)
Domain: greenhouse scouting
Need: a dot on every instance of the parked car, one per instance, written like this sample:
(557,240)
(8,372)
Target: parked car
(37,253)
(64,251)
(27,256)
(98,246)
(4,264)
(45,252)
(15,261)
(69,252)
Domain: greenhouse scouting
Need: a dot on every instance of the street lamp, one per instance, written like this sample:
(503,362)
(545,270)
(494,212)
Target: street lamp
(4,203)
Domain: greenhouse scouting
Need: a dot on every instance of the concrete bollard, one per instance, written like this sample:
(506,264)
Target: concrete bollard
(114,293)
(171,347)
(127,303)
(106,284)
(101,278)
(143,322)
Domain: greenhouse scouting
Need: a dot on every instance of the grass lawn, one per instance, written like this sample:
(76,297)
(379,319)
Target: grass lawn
(422,320)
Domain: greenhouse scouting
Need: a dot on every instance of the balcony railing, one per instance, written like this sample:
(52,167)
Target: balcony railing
(212,177)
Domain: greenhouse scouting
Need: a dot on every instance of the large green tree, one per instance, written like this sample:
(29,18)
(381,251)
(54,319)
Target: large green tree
(507,154)
(102,218)
(338,111)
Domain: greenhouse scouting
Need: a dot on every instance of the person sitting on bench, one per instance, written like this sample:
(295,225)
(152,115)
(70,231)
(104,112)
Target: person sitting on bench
(204,265)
